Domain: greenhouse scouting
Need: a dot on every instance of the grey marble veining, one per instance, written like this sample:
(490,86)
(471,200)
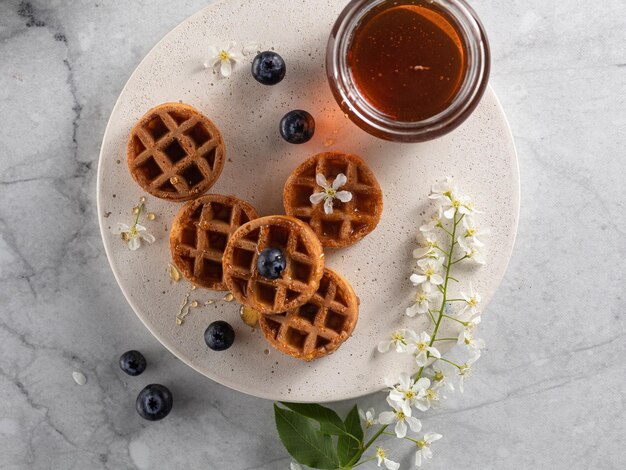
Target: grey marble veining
(550,390)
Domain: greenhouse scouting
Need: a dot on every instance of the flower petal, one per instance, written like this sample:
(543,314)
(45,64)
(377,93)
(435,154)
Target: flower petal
(226,68)
(120,228)
(431,437)
(328,206)
(413,310)
(400,429)
(391,465)
(434,352)
(418,458)
(321,181)
(417,279)
(316,198)
(414,423)
(344,196)
(384,346)
(386,417)
(148,237)
(134,244)
(340,181)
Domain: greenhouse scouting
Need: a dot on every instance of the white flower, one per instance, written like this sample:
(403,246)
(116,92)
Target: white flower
(466,337)
(440,373)
(471,251)
(466,369)
(472,300)
(425,301)
(428,246)
(461,204)
(368,417)
(443,190)
(223,58)
(134,235)
(471,232)
(429,273)
(431,397)
(422,349)
(401,418)
(330,192)
(435,222)
(399,340)
(382,458)
(295,466)
(424,452)
(407,393)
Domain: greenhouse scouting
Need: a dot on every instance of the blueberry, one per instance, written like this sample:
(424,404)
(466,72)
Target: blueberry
(219,336)
(271,263)
(297,127)
(154,402)
(268,68)
(132,362)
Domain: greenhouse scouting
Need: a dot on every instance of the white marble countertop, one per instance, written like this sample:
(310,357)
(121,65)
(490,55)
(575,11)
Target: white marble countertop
(551,389)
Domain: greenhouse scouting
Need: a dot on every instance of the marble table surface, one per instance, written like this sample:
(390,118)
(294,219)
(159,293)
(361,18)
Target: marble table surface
(550,390)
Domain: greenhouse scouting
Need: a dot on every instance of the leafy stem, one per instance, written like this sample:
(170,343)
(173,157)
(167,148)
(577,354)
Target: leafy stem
(444,290)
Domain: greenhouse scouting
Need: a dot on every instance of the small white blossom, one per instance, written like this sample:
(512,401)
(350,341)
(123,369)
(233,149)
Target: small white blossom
(368,417)
(401,418)
(406,392)
(423,447)
(472,301)
(422,349)
(425,301)
(382,459)
(428,273)
(466,337)
(428,246)
(399,340)
(295,466)
(330,192)
(461,204)
(134,235)
(434,222)
(431,397)
(471,232)
(221,59)
(443,190)
(466,369)
(440,373)
(471,251)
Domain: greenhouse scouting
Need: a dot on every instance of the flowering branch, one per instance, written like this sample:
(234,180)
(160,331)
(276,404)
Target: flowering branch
(421,390)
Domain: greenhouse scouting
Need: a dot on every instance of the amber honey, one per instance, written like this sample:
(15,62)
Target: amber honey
(407,59)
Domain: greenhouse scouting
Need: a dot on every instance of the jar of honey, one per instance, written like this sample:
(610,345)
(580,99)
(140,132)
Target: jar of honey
(408,70)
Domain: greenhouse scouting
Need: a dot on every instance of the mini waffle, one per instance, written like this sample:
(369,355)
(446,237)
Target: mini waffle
(350,221)
(319,327)
(301,278)
(175,152)
(200,233)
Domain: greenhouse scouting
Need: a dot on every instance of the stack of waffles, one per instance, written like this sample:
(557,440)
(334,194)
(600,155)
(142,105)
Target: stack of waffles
(176,153)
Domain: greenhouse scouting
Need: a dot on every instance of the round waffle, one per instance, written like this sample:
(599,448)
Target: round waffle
(175,152)
(199,235)
(349,221)
(317,328)
(304,264)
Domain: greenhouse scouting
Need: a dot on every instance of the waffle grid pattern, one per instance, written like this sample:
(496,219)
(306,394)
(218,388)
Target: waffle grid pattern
(304,267)
(175,152)
(318,327)
(350,221)
(200,233)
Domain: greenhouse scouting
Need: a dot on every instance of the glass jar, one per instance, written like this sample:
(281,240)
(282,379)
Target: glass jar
(455,18)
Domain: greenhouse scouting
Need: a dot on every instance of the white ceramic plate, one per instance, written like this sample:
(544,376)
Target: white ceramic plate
(480,154)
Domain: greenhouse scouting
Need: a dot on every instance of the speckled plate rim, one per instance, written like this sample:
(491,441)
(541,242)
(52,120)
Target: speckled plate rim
(106,239)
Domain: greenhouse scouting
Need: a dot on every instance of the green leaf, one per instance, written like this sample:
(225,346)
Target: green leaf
(330,422)
(303,442)
(347,447)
